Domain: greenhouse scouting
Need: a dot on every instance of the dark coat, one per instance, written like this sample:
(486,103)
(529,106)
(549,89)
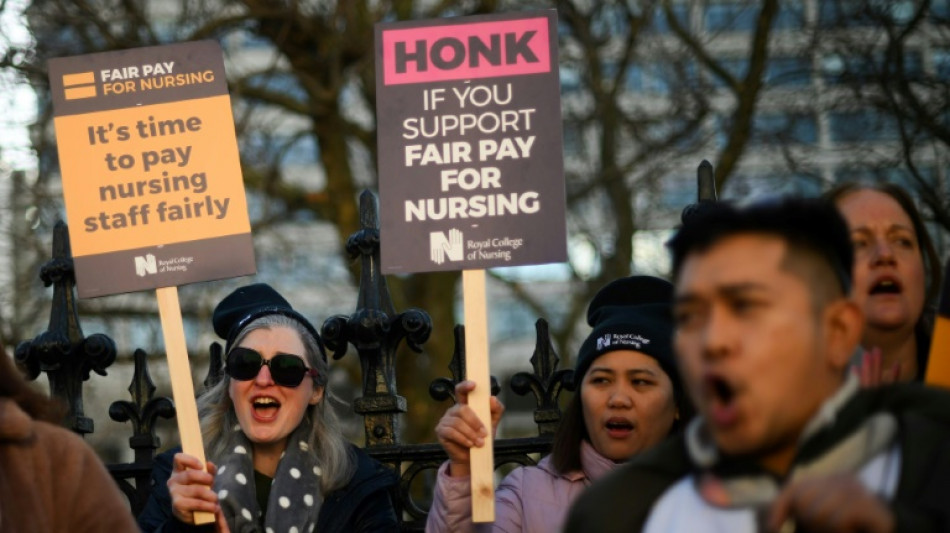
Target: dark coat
(622,501)
(362,506)
(52,481)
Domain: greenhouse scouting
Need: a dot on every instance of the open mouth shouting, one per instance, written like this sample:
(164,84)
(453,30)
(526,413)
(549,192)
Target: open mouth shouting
(264,408)
(885,285)
(721,395)
(619,427)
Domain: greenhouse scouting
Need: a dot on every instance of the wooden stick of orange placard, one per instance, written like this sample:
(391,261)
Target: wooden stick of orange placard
(182,387)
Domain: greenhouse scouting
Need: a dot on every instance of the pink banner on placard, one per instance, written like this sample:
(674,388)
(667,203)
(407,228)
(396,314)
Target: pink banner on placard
(466,51)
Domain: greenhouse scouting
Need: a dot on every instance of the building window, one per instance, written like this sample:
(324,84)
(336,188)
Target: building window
(839,69)
(784,128)
(773,183)
(941,60)
(662,25)
(736,67)
(940,10)
(887,174)
(854,13)
(790,16)
(739,15)
(725,15)
(861,126)
(790,71)
(657,77)
(842,13)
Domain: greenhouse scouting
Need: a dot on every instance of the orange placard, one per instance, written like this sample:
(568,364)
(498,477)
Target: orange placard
(176,171)
(938,365)
(151,172)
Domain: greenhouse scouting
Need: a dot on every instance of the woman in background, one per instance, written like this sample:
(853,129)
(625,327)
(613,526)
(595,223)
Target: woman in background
(896,280)
(628,399)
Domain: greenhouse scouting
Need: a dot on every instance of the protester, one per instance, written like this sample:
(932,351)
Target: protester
(628,399)
(896,280)
(50,480)
(282,463)
(786,439)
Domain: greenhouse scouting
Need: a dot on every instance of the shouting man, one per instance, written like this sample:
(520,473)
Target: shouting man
(785,440)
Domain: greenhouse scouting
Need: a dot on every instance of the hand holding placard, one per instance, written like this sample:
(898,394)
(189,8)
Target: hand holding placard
(182,388)
(482,458)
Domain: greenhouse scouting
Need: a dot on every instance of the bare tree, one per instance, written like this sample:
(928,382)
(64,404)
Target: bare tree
(891,68)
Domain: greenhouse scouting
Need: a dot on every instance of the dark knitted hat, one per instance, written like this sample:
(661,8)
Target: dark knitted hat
(249,303)
(632,313)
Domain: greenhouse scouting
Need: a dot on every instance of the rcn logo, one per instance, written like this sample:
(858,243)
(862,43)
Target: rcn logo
(145,265)
(441,246)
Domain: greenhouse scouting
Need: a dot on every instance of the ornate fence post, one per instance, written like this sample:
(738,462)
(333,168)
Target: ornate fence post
(705,191)
(375,330)
(143,411)
(546,382)
(62,351)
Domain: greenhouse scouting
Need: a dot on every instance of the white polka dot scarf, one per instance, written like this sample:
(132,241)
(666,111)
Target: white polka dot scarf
(295,499)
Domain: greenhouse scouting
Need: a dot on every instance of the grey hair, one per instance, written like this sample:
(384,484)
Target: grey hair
(332,453)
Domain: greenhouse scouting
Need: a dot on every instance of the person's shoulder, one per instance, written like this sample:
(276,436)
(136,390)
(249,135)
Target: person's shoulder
(904,398)
(60,444)
(165,460)
(623,498)
(365,498)
(543,472)
(369,470)
(544,468)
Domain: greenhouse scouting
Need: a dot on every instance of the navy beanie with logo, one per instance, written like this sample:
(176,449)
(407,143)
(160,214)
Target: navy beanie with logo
(249,303)
(633,313)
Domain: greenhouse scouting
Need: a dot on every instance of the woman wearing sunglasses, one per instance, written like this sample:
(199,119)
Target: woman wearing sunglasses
(276,458)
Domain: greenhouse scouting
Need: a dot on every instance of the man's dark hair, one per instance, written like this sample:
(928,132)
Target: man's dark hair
(811,228)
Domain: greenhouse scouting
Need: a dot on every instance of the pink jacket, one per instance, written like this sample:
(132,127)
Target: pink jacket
(529,499)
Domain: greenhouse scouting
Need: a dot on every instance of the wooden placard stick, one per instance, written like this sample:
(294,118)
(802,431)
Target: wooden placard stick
(476,369)
(183,389)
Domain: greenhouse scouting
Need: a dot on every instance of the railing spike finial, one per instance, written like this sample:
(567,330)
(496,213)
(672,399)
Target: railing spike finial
(546,382)
(62,351)
(706,183)
(705,191)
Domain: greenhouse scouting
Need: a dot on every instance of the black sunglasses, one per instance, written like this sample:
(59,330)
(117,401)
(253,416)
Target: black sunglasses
(287,370)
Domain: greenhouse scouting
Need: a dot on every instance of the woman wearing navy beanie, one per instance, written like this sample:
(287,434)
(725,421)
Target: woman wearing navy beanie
(628,398)
(277,459)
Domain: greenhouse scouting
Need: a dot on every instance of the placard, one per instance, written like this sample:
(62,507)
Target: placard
(938,362)
(470,152)
(150,168)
